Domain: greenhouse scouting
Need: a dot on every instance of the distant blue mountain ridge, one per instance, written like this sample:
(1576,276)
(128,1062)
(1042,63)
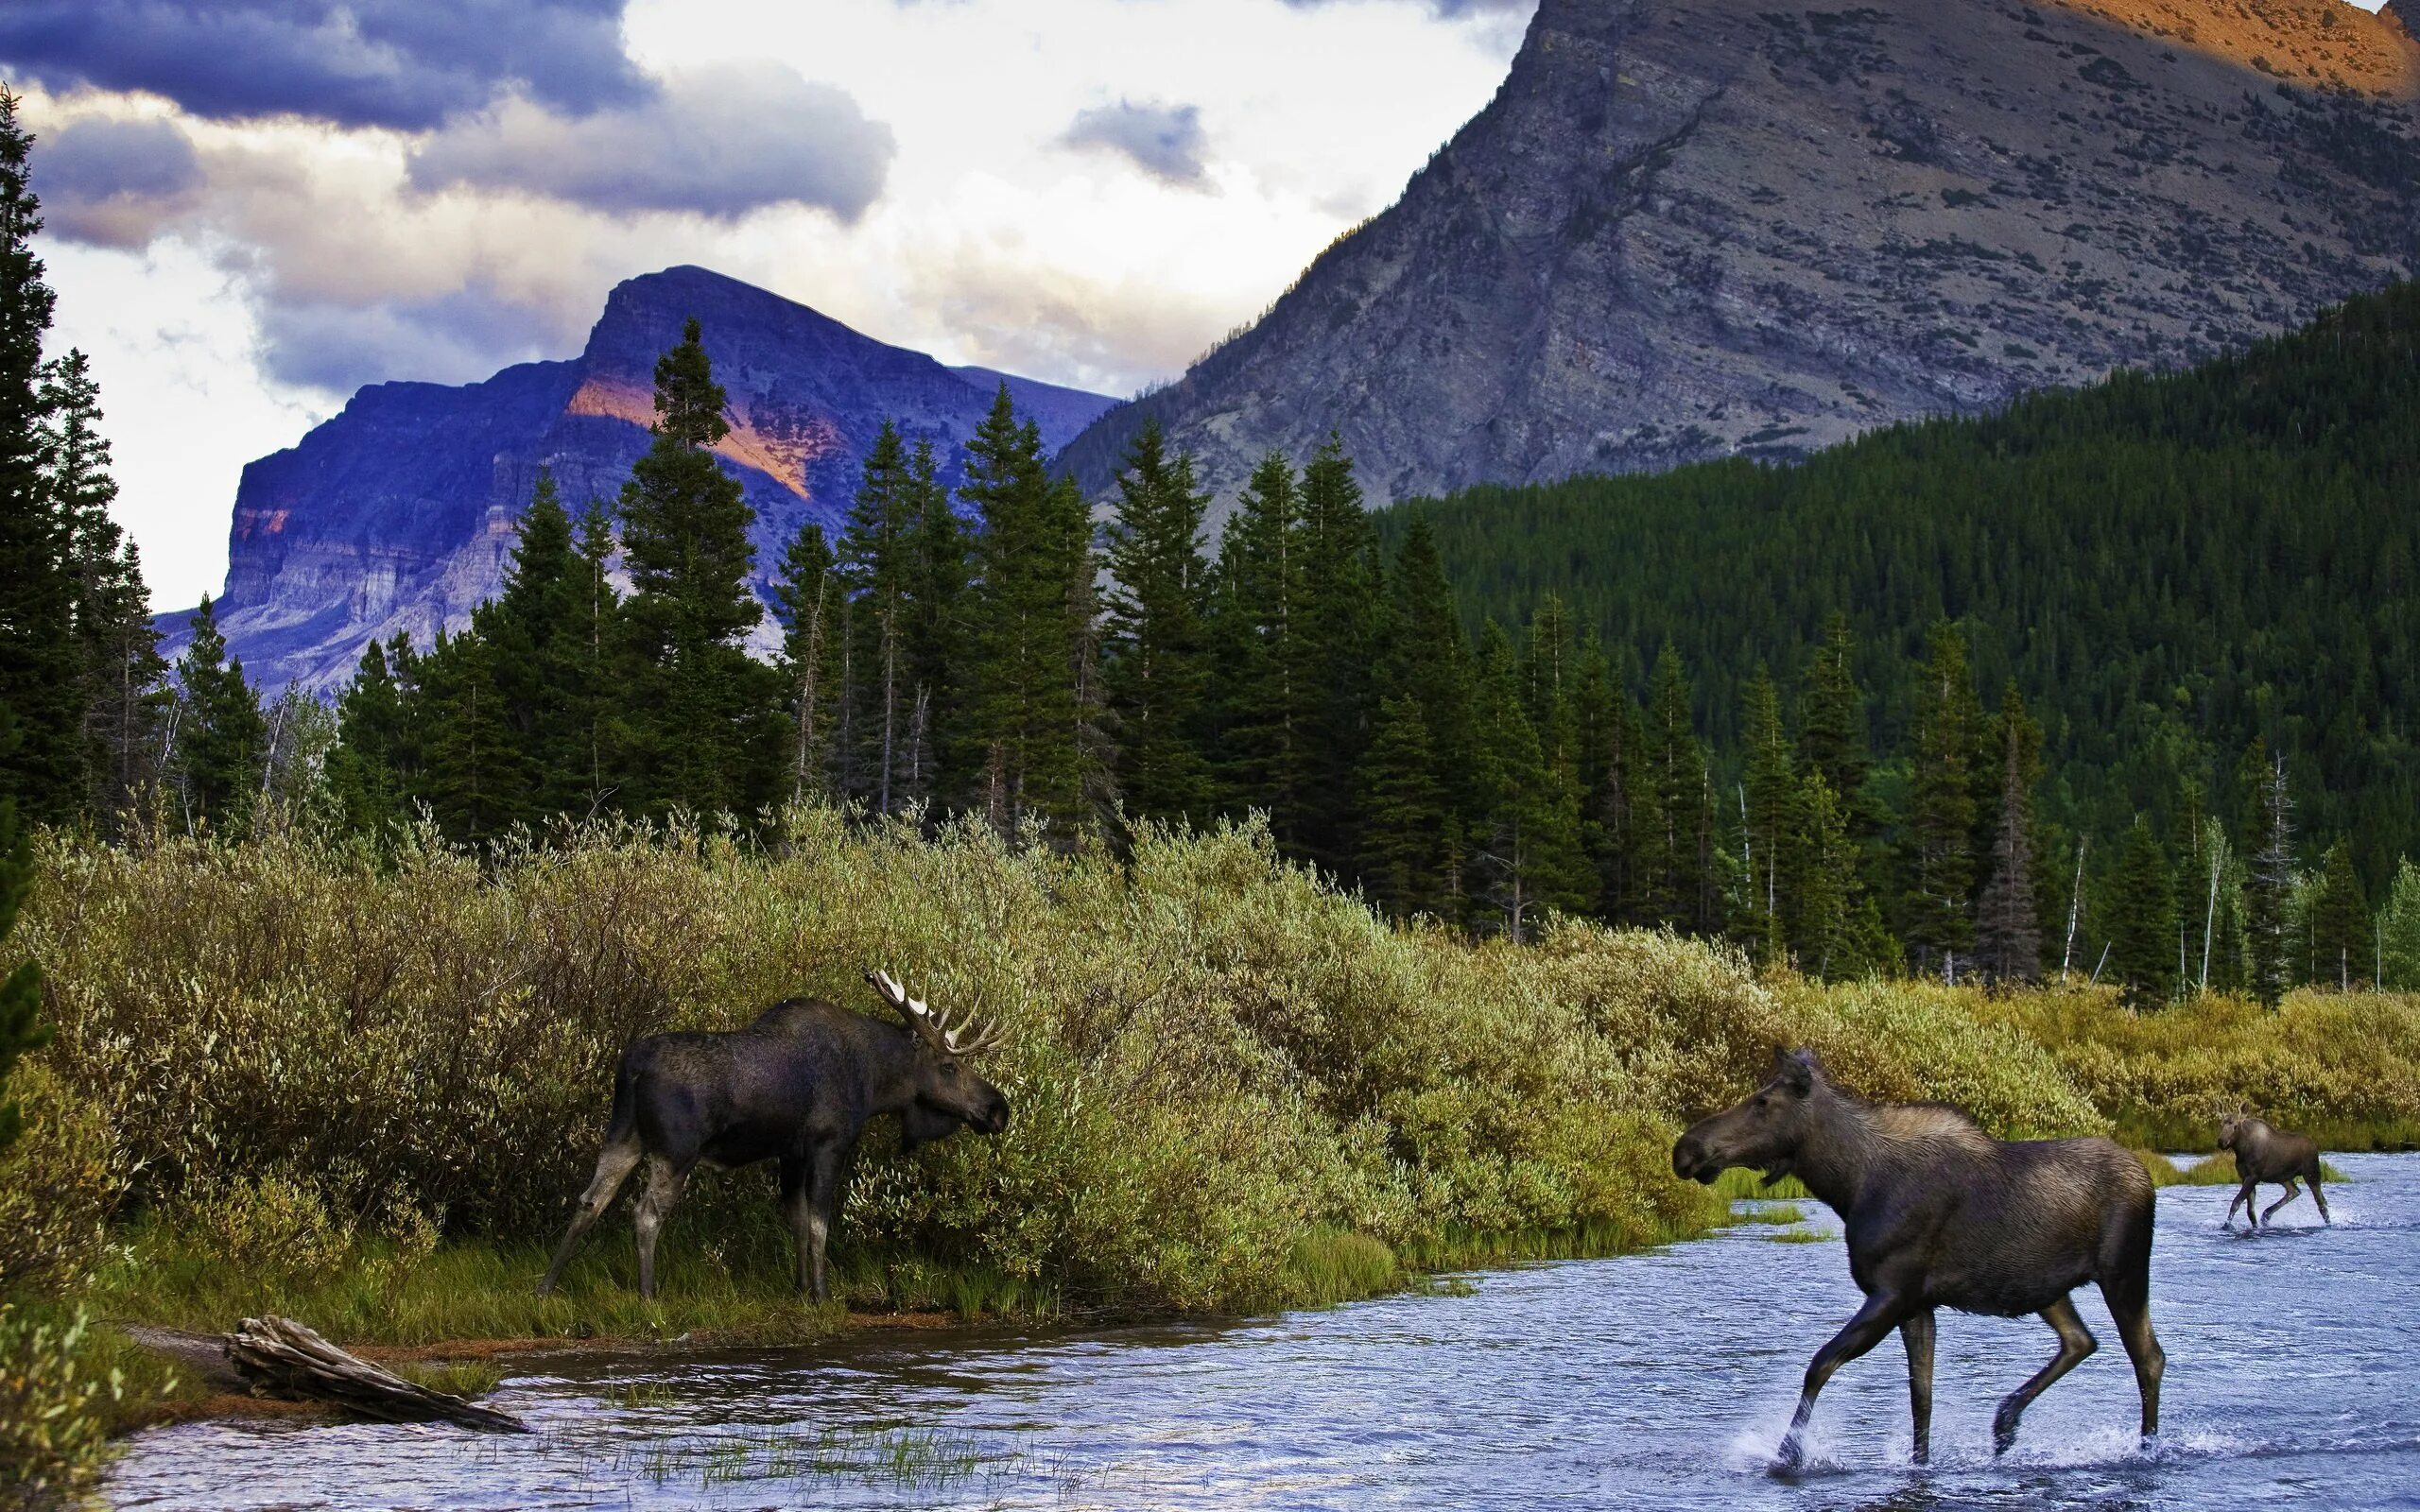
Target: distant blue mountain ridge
(399,513)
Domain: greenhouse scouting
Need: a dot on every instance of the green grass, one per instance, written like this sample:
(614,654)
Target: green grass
(1739,1182)
(1800,1236)
(1779,1215)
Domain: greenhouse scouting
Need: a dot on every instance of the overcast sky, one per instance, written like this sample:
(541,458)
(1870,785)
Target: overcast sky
(255,206)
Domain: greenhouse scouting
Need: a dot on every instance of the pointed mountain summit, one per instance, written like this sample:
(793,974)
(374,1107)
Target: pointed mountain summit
(1689,228)
(398,513)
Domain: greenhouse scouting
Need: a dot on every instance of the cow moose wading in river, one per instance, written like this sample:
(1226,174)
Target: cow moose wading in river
(1940,1214)
(797,1085)
(2264,1153)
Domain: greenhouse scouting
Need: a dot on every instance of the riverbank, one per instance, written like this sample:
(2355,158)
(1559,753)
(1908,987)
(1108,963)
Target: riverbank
(296,1076)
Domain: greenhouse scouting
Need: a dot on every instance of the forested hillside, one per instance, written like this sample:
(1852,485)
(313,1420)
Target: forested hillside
(2167,567)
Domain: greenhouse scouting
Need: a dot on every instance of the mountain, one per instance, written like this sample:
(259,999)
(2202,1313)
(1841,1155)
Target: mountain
(1687,229)
(398,513)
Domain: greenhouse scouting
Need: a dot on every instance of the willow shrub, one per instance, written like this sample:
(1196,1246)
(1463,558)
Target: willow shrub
(1219,1066)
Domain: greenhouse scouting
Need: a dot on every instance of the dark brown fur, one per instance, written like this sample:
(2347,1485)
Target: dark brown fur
(2265,1153)
(1940,1214)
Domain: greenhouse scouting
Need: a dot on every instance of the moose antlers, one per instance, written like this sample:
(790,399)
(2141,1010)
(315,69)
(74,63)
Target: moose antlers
(933,1027)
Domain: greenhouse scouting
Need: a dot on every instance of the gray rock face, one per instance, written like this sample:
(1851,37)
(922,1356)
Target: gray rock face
(1687,229)
(398,514)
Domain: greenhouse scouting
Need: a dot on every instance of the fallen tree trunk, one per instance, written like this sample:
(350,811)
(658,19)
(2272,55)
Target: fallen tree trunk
(280,1357)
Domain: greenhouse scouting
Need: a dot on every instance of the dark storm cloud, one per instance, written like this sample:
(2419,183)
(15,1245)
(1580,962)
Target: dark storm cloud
(456,338)
(717,142)
(1164,141)
(411,64)
(112,182)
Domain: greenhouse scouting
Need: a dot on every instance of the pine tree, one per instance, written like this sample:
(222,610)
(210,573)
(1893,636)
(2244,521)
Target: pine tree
(1825,935)
(21,1025)
(1771,796)
(2340,922)
(1256,600)
(364,771)
(2142,920)
(1831,724)
(41,680)
(1029,652)
(1941,818)
(813,604)
(221,740)
(1428,662)
(1335,635)
(121,696)
(1676,836)
(2269,849)
(1530,851)
(1402,856)
(704,716)
(938,588)
(1158,665)
(532,635)
(475,779)
(875,568)
(2008,942)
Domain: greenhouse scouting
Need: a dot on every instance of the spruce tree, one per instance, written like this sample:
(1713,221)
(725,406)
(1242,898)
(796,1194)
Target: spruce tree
(21,1025)
(593,769)
(532,635)
(1256,604)
(1604,726)
(876,568)
(2399,931)
(1824,933)
(2269,852)
(364,771)
(1155,635)
(1029,650)
(1403,855)
(1674,850)
(2340,922)
(935,634)
(1427,661)
(42,666)
(812,601)
(2142,920)
(121,696)
(1773,797)
(2008,932)
(1941,821)
(222,738)
(704,715)
(1335,635)
(476,778)
(1831,723)
(1530,852)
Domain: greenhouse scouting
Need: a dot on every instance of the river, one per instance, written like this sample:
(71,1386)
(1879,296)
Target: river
(1654,1380)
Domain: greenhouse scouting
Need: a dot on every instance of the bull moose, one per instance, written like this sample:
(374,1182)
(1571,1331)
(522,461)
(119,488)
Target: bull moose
(1940,1214)
(2264,1153)
(797,1085)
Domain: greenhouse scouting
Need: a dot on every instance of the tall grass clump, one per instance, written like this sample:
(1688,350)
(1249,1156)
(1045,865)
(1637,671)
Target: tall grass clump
(369,1084)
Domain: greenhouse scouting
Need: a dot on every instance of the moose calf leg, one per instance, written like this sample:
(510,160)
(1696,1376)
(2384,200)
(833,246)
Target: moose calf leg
(613,1168)
(1876,1318)
(2292,1193)
(664,1183)
(1916,1333)
(2076,1345)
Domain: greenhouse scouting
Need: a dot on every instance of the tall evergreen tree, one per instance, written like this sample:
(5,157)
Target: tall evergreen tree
(875,566)
(814,608)
(367,772)
(1257,602)
(2340,922)
(1156,634)
(1831,723)
(2008,942)
(1825,933)
(1604,737)
(42,671)
(1336,639)
(21,1025)
(1428,662)
(122,698)
(935,635)
(593,769)
(1530,849)
(222,738)
(1673,812)
(1941,818)
(1404,834)
(2269,849)
(1772,798)
(533,635)
(1029,648)
(2142,920)
(704,714)
(2399,931)
(476,778)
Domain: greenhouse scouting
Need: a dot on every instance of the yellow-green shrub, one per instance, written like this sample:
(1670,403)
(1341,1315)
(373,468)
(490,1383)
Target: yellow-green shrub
(60,1182)
(53,1434)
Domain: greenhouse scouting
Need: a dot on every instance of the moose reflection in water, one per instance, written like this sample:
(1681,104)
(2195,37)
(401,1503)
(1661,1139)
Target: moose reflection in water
(1940,1214)
(797,1085)
(2263,1153)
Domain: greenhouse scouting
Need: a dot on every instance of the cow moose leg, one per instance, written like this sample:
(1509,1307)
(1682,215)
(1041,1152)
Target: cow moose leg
(2292,1193)
(2132,1314)
(2321,1197)
(664,1183)
(2076,1345)
(1876,1319)
(1916,1333)
(613,1166)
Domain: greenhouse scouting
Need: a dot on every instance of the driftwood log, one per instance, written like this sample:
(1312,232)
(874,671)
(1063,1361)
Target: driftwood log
(279,1357)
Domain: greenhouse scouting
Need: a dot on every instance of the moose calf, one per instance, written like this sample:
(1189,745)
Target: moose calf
(2262,1153)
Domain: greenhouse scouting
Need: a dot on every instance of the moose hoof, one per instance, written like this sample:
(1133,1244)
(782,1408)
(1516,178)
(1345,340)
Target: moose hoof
(2003,1430)
(1790,1461)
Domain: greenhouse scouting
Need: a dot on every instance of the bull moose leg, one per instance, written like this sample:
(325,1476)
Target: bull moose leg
(1916,1333)
(1873,1322)
(613,1167)
(2076,1345)
(2292,1193)
(827,1174)
(664,1183)
(2243,1199)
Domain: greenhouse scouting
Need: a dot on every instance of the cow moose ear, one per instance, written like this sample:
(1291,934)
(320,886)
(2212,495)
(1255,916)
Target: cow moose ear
(1795,1069)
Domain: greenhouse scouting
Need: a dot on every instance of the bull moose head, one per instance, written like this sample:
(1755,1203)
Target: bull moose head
(947,1092)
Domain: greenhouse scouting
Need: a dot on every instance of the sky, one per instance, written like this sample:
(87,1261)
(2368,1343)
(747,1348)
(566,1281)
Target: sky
(254,207)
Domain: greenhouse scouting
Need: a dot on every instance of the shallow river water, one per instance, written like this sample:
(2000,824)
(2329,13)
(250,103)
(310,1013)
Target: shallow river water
(1653,1381)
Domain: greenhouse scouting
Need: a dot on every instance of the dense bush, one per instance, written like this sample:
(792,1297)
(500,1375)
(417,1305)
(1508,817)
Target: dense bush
(52,1438)
(1218,1063)
(60,1182)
